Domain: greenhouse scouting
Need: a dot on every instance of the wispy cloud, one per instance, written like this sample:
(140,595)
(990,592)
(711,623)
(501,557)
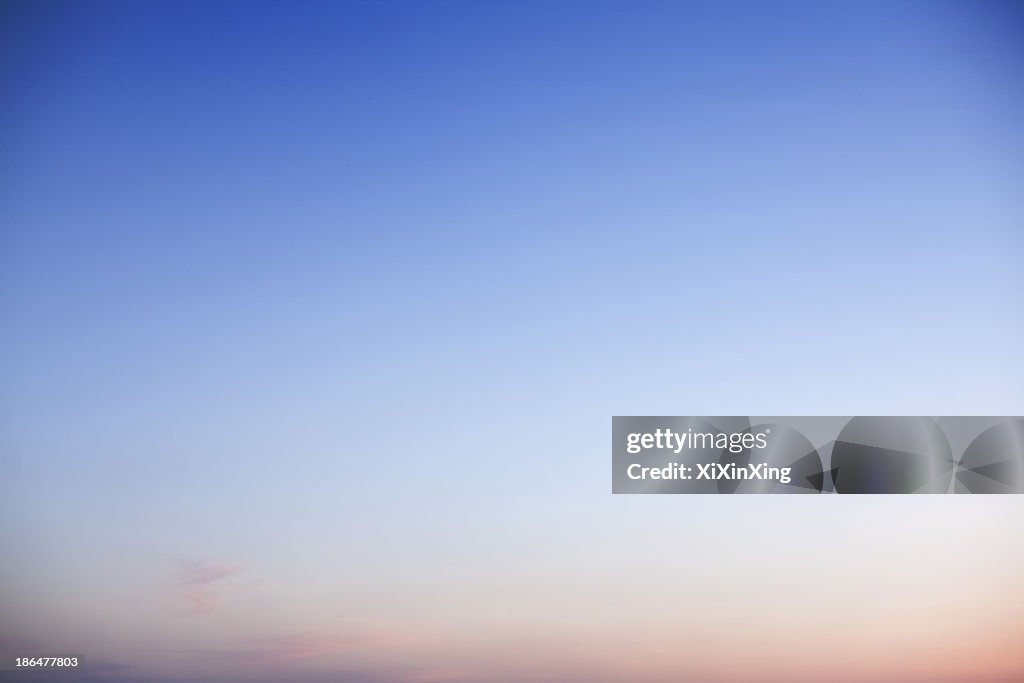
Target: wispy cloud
(200,602)
(194,583)
(204,573)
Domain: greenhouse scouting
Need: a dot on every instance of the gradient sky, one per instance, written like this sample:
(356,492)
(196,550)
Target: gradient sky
(315,316)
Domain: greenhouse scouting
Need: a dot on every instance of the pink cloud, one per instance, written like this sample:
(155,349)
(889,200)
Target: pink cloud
(199,602)
(202,573)
(195,584)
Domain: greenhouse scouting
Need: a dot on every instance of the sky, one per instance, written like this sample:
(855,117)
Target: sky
(315,316)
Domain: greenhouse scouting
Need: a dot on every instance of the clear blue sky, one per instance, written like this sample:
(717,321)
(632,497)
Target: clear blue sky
(315,314)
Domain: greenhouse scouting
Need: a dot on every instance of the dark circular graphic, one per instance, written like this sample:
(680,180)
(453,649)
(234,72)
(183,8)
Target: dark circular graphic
(994,462)
(789,463)
(892,455)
